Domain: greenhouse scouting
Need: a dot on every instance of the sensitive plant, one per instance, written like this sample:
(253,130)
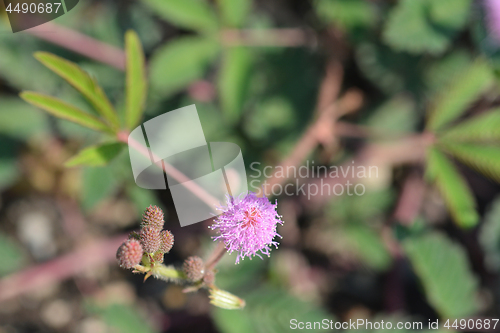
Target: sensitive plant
(247,225)
(447,137)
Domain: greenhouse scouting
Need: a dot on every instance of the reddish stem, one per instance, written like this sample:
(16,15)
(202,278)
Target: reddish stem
(171,171)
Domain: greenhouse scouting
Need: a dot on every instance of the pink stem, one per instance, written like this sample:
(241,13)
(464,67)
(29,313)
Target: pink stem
(80,43)
(40,276)
(171,171)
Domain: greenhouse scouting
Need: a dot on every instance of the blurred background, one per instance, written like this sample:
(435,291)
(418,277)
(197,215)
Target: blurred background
(408,86)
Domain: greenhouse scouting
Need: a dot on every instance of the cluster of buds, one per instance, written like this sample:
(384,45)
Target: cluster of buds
(247,225)
(149,245)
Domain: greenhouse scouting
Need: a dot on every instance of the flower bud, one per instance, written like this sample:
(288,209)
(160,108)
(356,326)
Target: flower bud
(167,241)
(153,217)
(129,254)
(194,268)
(150,239)
(225,300)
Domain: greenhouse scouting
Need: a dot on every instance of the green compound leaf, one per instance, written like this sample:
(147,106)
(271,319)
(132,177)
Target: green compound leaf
(63,110)
(234,80)
(82,82)
(136,89)
(268,310)
(346,13)
(453,188)
(465,89)
(181,62)
(234,12)
(190,14)
(482,128)
(98,155)
(425,25)
(445,273)
(483,158)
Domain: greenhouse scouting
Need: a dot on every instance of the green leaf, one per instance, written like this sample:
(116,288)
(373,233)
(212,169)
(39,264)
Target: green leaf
(268,310)
(270,115)
(21,120)
(391,71)
(368,245)
(449,14)
(9,172)
(482,128)
(61,109)
(453,188)
(136,80)
(425,25)
(444,271)
(397,115)
(346,13)
(12,257)
(98,155)
(465,89)
(483,158)
(82,82)
(489,235)
(181,62)
(440,73)
(360,209)
(234,12)
(98,184)
(234,79)
(142,198)
(123,319)
(190,14)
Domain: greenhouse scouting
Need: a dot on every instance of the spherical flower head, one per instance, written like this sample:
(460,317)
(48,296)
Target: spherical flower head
(129,254)
(248,226)
(194,268)
(167,241)
(150,239)
(153,217)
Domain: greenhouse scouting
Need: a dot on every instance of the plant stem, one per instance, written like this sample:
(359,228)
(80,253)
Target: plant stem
(167,273)
(169,169)
(216,256)
(80,43)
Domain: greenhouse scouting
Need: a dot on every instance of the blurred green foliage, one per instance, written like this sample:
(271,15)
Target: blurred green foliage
(424,65)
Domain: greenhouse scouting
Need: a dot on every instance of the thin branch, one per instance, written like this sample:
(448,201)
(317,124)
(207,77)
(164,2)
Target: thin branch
(410,199)
(40,276)
(171,171)
(216,256)
(80,43)
(291,37)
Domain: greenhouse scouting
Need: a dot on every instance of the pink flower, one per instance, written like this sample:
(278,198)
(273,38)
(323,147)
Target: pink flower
(248,226)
